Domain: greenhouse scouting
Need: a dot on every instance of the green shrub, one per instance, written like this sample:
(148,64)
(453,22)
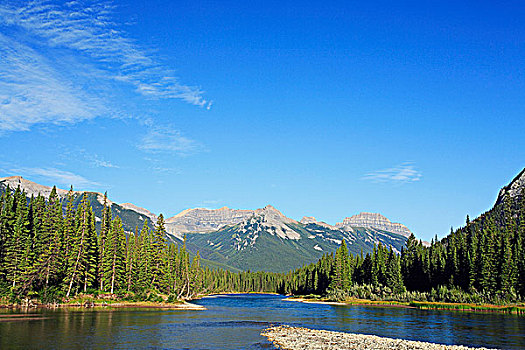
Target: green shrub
(51,295)
(172,298)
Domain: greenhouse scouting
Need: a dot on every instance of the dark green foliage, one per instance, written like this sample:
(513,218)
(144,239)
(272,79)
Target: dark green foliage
(276,254)
(481,262)
(53,255)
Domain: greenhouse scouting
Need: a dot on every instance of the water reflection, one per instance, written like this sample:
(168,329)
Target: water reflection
(235,322)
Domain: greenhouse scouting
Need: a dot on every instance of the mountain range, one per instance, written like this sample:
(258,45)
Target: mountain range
(260,239)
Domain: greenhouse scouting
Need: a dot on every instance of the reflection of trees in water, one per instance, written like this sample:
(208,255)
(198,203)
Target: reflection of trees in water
(236,321)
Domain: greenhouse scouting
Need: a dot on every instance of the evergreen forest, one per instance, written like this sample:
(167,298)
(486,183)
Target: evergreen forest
(53,254)
(482,262)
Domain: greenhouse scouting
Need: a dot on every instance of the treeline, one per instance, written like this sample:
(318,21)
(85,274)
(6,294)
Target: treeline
(484,261)
(53,253)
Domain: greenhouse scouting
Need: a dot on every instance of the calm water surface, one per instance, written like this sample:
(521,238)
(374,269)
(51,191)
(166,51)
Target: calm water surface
(235,322)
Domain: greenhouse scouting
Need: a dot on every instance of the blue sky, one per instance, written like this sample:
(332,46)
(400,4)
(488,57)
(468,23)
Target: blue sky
(414,109)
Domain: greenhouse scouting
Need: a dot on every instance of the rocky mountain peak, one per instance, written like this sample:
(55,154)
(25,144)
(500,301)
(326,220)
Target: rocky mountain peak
(34,189)
(308,220)
(270,220)
(374,220)
(269,209)
(152,217)
(513,189)
(31,188)
(204,220)
(270,214)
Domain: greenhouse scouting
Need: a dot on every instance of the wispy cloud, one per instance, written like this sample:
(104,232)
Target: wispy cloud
(166,170)
(33,91)
(51,53)
(401,174)
(56,176)
(166,139)
(104,163)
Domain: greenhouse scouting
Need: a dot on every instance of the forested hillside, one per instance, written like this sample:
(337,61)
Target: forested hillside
(484,261)
(53,255)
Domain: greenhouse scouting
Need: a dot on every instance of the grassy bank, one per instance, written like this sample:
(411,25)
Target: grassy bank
(509,309)
(96,300)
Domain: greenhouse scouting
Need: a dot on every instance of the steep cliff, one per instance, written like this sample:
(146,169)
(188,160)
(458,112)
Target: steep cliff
(374,220)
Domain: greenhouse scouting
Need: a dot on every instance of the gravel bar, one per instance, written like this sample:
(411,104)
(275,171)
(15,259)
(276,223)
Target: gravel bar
(295,338)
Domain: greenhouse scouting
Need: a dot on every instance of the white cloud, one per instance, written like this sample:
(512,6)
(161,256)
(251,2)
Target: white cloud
(33,91)
(163,138)
(56,176)
(400,174)
(58,64)
(104,164)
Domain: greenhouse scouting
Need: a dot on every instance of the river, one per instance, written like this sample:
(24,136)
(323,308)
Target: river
(235,322)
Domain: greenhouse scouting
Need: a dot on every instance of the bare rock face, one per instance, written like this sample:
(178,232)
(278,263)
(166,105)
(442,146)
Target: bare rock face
(205,220)
(201,220)
(513,189)
(33,189)
(272,221)
(306,220)
(130,206)
(374,220)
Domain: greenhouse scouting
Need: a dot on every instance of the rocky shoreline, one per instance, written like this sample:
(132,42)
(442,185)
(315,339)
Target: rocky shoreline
(299,338)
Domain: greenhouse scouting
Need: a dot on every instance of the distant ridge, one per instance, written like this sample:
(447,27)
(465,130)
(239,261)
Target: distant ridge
(374,220)
(246,239)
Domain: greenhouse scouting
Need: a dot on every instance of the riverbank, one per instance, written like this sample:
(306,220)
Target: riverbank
(510,309)
(104,303)
(298,338)
(214,295)
(113,301)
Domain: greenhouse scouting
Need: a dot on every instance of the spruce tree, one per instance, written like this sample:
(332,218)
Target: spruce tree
(159,253)
(114,263)
(51,260)
(394,280)
(488,269)
(77,259)
(105,227)
(92,252)
(18,242)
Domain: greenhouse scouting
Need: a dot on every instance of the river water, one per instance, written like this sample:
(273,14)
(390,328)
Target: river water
(235,322)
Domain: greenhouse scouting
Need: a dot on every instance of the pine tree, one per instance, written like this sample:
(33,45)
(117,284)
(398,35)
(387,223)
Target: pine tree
(131,259)
(18,243)
(144,263)
(520,245)
(92,252)
(105,227)
(51,260)
(394,280)
(69,227)
(488,272)
(77,259)
(337,271)
(184,263)
(159,253)
(114,261)
(196,278)
(472,254)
